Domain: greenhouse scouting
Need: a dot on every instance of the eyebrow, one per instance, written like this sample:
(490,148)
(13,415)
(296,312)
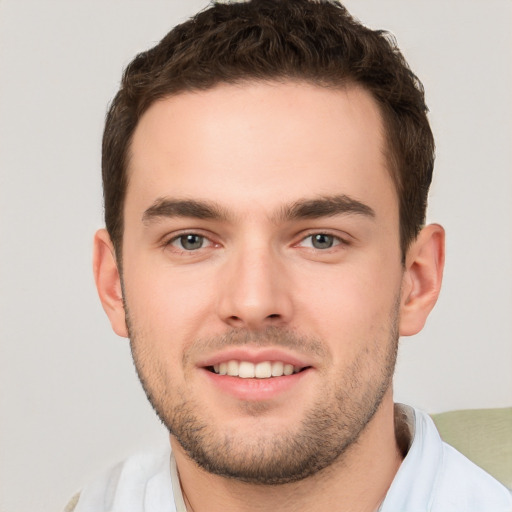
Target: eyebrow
(325,206)
(165,207)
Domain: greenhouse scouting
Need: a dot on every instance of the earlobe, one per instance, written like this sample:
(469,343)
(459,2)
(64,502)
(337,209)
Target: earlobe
(108,282)
(422,279)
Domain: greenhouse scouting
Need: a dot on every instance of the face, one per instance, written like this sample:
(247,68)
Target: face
(262,273)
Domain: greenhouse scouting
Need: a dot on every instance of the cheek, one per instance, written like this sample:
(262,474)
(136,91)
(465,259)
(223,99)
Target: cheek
(352,303)
(166,304)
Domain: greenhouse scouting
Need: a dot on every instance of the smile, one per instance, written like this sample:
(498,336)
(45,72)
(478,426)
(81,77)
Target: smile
(248,370)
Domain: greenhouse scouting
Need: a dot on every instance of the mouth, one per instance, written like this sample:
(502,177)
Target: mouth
(250,370)
(252,374)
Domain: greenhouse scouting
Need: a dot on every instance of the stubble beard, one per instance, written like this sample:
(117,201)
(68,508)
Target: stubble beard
(327,431)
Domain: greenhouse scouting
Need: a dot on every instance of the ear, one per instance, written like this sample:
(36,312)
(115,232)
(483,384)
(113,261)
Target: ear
(108,282)
(422,279)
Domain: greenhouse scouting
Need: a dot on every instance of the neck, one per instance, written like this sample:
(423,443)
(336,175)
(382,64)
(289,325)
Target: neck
(357,481)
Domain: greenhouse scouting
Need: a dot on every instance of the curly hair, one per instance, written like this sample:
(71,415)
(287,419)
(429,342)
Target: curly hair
(318,42)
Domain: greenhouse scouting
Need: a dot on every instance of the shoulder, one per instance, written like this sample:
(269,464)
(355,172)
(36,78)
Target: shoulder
(462,485)
(141,482)
(436,477)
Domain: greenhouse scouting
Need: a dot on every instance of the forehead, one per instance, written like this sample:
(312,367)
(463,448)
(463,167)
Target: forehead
(239,144)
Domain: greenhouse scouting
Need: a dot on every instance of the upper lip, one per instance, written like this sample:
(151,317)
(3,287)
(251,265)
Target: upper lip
(254,355)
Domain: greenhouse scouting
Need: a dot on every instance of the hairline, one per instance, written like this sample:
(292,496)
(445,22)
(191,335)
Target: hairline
(387,150)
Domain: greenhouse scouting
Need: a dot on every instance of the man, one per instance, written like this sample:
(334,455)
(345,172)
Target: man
(266,170)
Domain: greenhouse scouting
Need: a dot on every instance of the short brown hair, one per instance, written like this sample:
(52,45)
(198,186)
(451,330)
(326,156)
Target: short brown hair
(314,41)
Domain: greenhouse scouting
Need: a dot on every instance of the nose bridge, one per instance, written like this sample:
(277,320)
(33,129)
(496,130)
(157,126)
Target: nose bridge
(253,292)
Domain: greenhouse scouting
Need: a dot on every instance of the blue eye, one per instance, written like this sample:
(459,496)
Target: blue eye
(320,241)
(189,242)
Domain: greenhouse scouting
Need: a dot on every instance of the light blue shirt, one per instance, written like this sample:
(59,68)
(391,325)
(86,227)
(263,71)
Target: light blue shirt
(433,477)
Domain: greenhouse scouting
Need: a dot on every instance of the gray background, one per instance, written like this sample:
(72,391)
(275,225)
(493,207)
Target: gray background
(70,401)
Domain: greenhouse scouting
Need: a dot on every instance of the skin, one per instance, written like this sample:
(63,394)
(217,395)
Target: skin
(256,282)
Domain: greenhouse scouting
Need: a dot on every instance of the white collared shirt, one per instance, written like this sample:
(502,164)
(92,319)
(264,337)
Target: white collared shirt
(433,477)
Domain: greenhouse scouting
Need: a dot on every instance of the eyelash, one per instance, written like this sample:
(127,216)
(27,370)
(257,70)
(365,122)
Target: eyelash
(336,241)
(181,236)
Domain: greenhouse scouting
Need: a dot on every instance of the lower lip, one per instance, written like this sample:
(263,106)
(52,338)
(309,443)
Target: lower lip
(255,389)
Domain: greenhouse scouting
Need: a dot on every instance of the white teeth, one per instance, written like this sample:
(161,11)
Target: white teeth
(277,368)
(263,370)
(288,369)
(233,368)
(248,370)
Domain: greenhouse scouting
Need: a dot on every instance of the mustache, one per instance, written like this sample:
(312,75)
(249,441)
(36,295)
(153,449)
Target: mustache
(271,336)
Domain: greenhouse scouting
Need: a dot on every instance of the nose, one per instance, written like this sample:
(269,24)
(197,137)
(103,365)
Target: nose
(254,290)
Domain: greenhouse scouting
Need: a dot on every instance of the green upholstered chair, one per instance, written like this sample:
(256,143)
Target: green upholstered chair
(483,436)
